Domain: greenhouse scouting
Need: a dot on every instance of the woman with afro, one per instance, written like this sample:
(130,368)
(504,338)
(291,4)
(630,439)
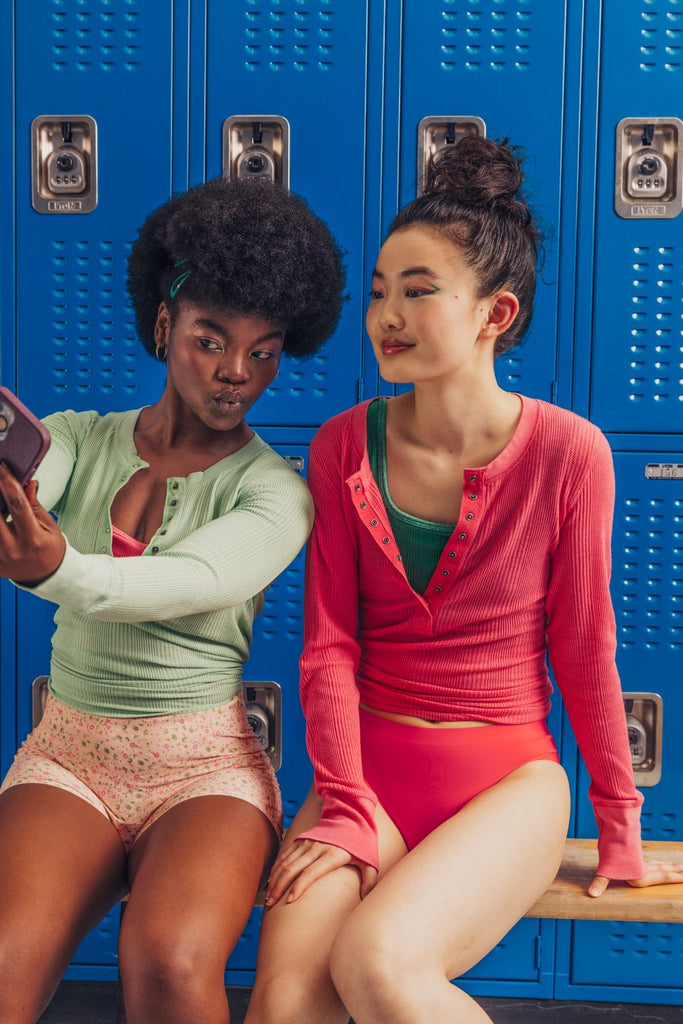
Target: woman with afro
(171,520)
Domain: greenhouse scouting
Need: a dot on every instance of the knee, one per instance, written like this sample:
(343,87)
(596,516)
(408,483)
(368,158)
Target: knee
(155,962)
(369,969)
(285,999)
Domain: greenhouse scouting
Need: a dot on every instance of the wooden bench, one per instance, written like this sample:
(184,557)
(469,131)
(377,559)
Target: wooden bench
(566,897)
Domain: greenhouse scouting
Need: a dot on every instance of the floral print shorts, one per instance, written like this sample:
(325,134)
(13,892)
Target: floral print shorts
(133,770)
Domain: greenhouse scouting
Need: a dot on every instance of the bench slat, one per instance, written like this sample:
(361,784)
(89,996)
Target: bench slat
(566,897)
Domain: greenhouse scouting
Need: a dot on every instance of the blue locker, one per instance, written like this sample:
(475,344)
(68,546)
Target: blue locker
(635,384)
(306,62)
(502,61)
(630,961)
(627,380)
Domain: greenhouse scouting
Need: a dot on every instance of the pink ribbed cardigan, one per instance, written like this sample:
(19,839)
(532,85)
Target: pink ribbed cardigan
(524,574)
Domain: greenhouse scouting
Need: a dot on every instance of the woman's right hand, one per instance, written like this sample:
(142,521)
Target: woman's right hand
(31,545)
(305,860)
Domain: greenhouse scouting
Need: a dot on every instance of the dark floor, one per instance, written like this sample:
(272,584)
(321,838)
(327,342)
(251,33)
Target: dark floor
(79,1002)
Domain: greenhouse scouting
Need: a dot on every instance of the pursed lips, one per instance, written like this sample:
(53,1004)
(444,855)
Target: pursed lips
(233,399)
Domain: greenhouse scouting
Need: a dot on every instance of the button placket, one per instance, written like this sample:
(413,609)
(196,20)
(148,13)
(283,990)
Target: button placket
(462,537)
(370,518)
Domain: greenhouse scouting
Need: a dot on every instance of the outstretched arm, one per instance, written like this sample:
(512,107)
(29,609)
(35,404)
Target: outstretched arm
(221,564)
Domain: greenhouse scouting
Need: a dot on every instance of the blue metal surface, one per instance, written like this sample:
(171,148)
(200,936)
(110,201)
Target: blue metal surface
(636,364)
(504,62)
(72,316)
(306,62)
(647,590)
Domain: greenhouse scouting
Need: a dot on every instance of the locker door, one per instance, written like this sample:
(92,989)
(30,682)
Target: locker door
(304,60)
(76,345)
(628,381)
(630,961)
(502,61)
(636,358)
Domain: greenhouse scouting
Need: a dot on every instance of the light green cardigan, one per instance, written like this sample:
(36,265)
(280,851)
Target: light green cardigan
(168,631)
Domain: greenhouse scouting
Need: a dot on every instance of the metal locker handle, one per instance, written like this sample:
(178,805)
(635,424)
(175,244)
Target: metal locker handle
(256,146)
(64,163)
(435,133)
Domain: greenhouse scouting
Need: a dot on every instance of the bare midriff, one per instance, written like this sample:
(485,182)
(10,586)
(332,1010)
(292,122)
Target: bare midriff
(424,723)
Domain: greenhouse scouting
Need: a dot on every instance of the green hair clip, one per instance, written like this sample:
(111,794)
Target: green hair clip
(180,279)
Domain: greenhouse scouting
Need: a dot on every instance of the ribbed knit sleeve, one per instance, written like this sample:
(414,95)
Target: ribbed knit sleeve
(582,646)
(329,694)
(219,565)
(55,470)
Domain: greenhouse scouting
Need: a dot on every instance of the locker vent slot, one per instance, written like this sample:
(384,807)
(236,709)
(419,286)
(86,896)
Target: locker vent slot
(276,38)
(95,35)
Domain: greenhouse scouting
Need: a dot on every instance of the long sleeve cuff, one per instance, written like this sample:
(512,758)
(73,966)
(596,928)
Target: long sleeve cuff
(77,583)
(619,845)
(350,830)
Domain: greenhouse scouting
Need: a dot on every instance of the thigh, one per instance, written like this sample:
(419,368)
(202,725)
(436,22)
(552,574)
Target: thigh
(194,875)
(457,893)
(299,936)
(63,868)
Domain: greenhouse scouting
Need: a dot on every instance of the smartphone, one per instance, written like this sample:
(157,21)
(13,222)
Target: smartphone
(23,439)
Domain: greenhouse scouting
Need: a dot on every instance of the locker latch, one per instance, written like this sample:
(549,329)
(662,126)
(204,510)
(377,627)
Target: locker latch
(435,133)
(256,146)
(263,701)
(649,169)
(64,163)
(644,724)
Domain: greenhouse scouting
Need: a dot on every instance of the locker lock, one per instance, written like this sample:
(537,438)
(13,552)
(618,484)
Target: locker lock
(648,172)
(435,133)
(263,705)
(64,164)
(644,713)
(256,147)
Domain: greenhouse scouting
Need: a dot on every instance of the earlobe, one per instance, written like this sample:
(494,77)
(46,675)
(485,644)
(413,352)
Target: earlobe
(162,325)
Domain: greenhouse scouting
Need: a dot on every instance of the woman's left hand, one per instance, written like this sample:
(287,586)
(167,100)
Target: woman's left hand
(31,546)
(659,872)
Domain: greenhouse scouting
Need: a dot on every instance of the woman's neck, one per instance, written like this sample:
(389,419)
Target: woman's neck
(466,421)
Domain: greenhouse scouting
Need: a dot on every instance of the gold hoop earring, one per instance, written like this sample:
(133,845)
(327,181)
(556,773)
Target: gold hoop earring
(161,351)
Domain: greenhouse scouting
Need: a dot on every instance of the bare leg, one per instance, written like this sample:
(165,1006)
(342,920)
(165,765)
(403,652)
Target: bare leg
(293,981)
(194,877)
(450,900)
(63,868)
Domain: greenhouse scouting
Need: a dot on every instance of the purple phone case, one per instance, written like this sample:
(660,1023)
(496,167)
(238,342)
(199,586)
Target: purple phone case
(26,442)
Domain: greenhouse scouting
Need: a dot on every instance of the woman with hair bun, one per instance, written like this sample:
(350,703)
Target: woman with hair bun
(462,533)
(172,520)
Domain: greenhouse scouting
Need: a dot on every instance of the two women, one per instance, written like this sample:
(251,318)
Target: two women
(143,774)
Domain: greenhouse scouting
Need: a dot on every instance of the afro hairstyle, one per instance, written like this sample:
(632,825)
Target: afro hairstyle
(250,248)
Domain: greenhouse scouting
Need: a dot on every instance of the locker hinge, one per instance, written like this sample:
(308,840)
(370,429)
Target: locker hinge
(538,952)
(553,392)
(359,389)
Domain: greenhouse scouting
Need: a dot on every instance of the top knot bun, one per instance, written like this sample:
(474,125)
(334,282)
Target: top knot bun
(477,171)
